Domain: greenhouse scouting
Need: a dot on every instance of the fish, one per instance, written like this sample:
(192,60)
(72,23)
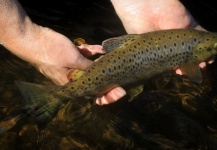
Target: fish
(130,60)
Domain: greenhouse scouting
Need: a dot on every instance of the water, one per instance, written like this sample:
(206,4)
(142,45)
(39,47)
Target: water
(171,113)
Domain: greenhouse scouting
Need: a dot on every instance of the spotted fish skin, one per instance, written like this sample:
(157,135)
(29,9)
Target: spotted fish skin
(134,58)
(130,60)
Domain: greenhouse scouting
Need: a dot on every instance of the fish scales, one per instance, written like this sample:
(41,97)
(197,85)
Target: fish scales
(137,58)
(130,60)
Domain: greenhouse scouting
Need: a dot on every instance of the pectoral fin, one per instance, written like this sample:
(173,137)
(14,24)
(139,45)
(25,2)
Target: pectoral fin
(134,91)
(192,70)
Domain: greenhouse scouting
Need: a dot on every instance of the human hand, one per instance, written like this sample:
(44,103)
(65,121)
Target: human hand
(50,52)
(140,16)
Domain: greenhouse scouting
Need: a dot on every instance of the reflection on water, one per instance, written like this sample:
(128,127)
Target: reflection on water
(172,112)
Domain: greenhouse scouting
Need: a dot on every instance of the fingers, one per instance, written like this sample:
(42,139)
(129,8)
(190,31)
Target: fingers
(111,97)
(88,50)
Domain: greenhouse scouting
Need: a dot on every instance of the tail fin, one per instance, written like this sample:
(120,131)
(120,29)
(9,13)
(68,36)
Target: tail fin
(43,102)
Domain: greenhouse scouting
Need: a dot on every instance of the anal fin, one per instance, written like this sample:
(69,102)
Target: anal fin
(192,70)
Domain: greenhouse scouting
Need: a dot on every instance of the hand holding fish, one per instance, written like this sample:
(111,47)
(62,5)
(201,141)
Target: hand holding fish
(140,16)
(53,54)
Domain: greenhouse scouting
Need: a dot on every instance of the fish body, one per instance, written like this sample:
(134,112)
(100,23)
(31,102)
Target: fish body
(130,60)
(134,58)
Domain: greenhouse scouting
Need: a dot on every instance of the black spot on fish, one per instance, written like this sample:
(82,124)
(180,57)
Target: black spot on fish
(170,37)
(97,78)
(183,43)
(195,40)
(89,79)
(110,70)
(134,47)
(143,40)
(207,39)
(103,71)
(189,47)
(174,44)
(177,36)
(149,43)
(155,54)
(171,50)
(165,46)
(72,87)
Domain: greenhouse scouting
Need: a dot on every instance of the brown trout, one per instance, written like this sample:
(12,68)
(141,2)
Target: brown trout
(130,59)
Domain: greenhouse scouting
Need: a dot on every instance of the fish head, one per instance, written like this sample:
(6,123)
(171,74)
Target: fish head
(206,50)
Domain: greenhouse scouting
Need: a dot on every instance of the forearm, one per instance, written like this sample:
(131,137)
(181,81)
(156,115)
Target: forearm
(16,28)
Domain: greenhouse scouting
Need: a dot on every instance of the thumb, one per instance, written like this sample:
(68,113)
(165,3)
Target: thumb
(82,63)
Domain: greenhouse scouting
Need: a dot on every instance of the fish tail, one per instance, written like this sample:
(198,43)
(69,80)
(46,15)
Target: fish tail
(41,102)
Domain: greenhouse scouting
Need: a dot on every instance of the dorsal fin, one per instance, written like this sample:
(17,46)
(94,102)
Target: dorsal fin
(116,42)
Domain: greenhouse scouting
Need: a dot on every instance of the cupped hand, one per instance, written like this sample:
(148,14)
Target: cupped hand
(140,16)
